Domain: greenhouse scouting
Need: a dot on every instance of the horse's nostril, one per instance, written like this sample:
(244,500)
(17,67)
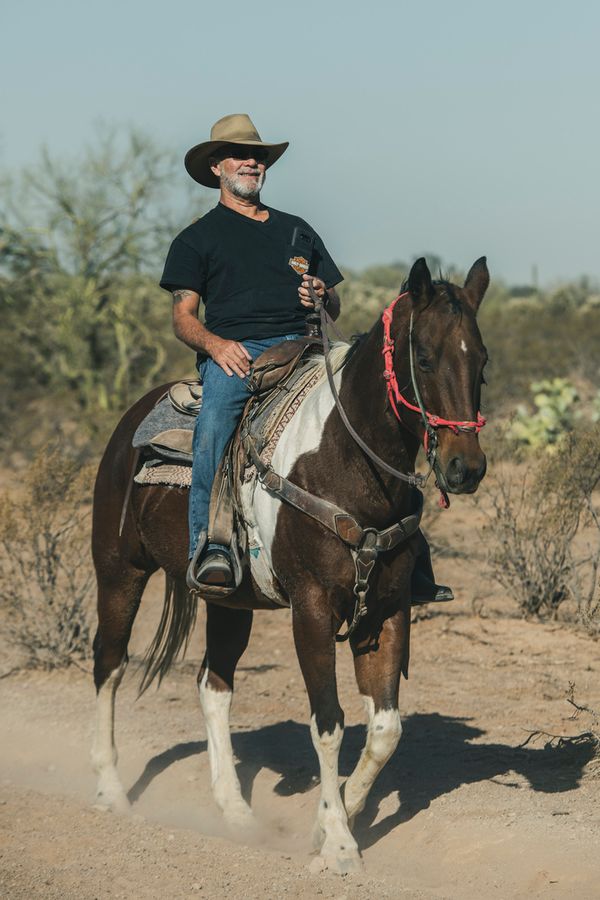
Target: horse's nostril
(456,472)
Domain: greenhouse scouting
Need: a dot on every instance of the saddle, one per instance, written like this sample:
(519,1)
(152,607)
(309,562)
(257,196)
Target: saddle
(279,379)
(165,435)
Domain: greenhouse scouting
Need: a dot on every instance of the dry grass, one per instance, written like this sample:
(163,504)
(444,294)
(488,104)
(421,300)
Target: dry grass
(531,531)
(45,566)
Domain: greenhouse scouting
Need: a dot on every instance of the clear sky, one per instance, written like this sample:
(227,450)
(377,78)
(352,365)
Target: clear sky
(460,129)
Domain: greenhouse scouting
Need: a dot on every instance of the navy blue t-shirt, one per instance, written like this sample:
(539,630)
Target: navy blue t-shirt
(241,269)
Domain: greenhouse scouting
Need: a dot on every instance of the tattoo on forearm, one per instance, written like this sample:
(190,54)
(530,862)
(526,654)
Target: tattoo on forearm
(178,296)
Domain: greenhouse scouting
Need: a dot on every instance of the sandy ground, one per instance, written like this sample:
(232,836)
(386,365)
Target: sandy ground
(461,810)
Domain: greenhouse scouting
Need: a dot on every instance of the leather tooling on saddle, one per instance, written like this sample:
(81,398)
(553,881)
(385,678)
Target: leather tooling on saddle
(164,437)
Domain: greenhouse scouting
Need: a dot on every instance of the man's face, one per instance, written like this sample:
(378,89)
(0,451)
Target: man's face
(241,170)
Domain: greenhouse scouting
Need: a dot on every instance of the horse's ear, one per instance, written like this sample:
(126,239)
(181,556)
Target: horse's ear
(419,282)
(476,282)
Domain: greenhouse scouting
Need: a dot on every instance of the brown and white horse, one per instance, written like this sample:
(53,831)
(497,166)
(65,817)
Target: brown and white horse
(295,557)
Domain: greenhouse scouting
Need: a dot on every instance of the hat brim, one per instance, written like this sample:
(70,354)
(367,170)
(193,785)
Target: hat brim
(197,159)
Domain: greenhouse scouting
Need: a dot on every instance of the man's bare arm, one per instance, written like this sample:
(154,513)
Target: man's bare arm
(230,355)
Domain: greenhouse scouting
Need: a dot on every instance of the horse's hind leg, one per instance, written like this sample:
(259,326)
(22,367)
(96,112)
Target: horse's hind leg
(118,602)
(378,677)
(227,635)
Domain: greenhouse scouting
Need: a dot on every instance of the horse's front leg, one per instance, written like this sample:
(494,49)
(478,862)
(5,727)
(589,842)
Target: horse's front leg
(227,634)
(378,677)
(314,635)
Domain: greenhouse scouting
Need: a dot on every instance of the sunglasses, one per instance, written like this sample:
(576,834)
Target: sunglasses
(257,153)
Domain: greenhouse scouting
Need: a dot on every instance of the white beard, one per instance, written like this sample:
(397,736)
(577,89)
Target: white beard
(240,188)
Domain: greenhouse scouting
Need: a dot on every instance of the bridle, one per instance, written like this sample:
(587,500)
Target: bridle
(431,422)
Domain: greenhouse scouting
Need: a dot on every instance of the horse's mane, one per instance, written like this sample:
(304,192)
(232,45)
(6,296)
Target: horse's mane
(338,355)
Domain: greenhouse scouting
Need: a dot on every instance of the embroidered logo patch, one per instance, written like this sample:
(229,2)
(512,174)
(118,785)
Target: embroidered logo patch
(298,264)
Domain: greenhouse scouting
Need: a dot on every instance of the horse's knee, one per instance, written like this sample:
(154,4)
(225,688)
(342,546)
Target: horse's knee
(385,731)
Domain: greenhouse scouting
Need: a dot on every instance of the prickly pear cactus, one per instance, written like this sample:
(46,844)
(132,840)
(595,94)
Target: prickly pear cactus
(554,400)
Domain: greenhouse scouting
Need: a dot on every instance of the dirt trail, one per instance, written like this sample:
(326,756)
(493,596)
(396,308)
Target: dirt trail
(459,812)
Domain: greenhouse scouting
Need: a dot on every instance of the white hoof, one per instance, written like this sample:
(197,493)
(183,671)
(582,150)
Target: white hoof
(349,863)
(240,818)
(117,804)
(111,796)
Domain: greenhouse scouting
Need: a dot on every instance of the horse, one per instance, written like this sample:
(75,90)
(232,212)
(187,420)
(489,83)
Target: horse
(428,342)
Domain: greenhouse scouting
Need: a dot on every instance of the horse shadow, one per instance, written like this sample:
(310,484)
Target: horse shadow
(435,757)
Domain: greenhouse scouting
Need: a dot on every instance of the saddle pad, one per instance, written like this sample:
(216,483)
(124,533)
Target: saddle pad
(165,473)
(164,421)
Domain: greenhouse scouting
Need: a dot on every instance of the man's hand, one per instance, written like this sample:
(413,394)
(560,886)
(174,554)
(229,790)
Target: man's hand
(318,287)
(230,355)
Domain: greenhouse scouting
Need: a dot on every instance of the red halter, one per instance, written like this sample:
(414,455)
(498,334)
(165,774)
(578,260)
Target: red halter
(395,396)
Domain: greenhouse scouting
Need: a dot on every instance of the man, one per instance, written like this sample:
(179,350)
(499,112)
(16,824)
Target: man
(238,259)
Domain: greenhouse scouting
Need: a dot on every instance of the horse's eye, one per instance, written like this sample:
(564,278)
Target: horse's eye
(424,364)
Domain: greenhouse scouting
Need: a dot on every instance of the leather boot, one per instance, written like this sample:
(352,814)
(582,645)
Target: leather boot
(215,569)
(423,586)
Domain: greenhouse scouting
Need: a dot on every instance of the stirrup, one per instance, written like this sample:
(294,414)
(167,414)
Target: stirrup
(215,570)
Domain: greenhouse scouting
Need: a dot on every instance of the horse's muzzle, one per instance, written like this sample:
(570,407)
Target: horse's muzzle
(462,475)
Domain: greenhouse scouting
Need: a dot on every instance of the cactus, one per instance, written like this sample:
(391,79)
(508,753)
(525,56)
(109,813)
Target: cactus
(554,400)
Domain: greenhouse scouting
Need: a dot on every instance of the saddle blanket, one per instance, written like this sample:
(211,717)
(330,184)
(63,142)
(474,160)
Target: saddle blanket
(164,473)
(166,433)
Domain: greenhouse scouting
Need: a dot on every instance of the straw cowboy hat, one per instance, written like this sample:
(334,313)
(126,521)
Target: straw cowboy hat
(234,129)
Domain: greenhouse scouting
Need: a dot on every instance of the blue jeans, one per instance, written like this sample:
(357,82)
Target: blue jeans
(223,399)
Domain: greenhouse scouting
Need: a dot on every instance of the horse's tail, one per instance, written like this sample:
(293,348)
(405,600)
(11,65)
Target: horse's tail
(173,632)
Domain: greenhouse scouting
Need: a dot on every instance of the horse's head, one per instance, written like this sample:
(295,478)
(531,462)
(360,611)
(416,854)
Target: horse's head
(448,358)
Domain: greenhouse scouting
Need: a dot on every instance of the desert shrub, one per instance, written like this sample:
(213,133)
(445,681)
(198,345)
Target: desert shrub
(45,566)
(555,401)
(533,523)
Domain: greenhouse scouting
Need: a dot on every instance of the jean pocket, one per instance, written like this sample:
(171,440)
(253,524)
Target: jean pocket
(201,368)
